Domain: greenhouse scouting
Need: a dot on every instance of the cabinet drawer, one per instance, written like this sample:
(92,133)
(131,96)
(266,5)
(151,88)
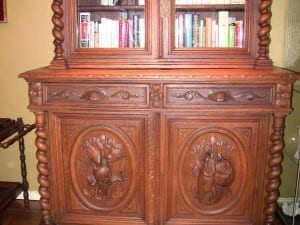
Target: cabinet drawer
(95,95)
(196,95)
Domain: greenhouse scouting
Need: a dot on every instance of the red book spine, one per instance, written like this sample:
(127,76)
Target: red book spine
(123,30)
(239,34)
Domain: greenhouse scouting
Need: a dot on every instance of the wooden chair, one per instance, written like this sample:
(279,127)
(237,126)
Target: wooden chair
(10,132)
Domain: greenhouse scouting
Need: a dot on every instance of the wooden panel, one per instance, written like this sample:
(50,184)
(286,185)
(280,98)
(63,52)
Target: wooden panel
(213,170)
(102,173)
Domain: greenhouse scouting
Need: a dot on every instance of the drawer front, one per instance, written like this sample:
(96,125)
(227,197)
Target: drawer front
(201,95)
(96,95)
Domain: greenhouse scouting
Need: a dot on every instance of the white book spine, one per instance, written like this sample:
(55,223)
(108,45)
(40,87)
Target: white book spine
(142,32)
(223,18)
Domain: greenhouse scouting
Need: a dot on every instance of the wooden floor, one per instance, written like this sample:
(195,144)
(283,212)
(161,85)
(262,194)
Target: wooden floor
(20,214)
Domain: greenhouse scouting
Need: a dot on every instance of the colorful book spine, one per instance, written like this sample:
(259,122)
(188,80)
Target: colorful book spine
(231,35)
(84,36)
(239,34)
(188,30)
(123,29)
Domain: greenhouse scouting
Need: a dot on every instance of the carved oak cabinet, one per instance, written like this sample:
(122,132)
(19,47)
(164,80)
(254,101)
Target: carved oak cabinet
(154,132)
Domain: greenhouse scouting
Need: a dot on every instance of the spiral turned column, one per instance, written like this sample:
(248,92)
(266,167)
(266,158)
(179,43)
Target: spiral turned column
(274,165)
(42,167)
(264,33)
(58,61)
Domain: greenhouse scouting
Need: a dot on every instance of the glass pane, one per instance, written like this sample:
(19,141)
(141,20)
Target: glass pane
(111,23)
(209,24)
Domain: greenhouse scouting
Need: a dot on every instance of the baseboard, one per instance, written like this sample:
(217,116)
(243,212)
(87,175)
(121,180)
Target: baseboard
(33,195)
(282,200)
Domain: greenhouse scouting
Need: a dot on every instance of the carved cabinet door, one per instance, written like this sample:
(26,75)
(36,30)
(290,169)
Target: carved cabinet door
(102,169)
(215,165)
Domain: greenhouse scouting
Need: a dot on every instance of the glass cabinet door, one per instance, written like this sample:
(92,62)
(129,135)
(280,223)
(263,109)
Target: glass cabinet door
(108,33)
(209,24)
(212,33)
(111,24)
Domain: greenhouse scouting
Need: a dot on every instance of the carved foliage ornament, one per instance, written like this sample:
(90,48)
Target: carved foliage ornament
(209,174)
(101,169)
(102,153)
(219,96)
(93,95)
(35,93)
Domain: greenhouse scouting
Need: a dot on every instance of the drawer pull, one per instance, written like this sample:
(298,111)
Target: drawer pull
(94,96)
(220,96)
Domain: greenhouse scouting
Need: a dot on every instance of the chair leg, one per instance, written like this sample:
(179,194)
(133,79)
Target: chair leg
(25,184)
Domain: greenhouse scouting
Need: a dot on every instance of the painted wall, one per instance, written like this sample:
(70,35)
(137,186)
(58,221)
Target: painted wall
(26,43)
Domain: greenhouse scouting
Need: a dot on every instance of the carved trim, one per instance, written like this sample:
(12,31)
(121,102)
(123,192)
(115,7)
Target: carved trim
(42,167)
(93,95)
(153,170)
(275,169)
(283,95)
(35,93)
(219,96)
(156,95)
(125,95)
(57,31)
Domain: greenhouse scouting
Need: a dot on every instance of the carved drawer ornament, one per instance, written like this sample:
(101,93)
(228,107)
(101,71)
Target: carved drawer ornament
(219,96)
(93,95)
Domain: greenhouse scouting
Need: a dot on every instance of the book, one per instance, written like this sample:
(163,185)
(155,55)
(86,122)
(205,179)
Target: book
(188,30)
(180,30)
(136,31)
(123,29)
(223,19)
(142,43)
(195,30)
(239,34)
(231,35)
(208,32)
(201,33)
(91,34)
(84,35)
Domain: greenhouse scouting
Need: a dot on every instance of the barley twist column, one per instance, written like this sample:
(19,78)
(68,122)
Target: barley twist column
(42,167)
(59,59)
(264,32)
(274,165)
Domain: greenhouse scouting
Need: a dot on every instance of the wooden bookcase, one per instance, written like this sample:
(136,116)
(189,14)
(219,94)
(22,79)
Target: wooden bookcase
(159,133)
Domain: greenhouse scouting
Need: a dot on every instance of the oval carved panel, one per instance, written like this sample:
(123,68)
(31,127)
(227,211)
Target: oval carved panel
(101,169)
(212,171)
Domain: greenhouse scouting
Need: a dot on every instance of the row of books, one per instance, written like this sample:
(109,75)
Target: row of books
(121,2)
(110,33)
(193,31)
(196,2)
